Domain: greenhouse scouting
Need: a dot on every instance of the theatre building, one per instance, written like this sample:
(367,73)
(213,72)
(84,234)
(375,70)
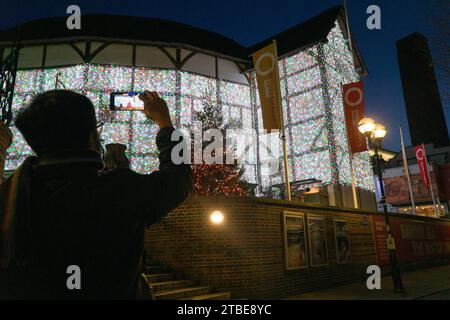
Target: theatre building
(263,247)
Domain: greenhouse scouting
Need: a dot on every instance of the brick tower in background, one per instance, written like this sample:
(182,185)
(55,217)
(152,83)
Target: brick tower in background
(420,89)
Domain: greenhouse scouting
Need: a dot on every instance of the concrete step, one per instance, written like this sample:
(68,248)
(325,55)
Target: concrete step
(168,285)
(182,293)
(159,277)
(210,296)
(171,285)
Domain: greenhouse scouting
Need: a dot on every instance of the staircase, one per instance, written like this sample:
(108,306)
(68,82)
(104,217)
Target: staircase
(170,285)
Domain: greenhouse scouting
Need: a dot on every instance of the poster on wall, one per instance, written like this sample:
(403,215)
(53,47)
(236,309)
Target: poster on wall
(295,252)
(343,253)
(317,240)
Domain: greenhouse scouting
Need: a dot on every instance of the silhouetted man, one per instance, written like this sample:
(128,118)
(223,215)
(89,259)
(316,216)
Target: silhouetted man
(60,216)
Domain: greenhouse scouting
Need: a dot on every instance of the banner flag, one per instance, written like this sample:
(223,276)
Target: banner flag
(353,97)
(423,165)
(265,62)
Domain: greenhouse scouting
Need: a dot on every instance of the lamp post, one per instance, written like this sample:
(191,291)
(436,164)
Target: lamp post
(375,133)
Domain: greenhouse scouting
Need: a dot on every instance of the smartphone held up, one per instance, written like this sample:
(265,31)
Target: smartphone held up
(126,101)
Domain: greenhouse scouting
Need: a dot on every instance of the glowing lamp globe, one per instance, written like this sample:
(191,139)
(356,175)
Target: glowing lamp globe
(217,217)
(379,132)
(366,126)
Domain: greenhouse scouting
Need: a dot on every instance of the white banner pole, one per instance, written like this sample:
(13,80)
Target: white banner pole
(406,169)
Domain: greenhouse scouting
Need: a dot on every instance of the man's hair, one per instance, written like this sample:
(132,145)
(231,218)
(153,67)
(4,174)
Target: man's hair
(57,120)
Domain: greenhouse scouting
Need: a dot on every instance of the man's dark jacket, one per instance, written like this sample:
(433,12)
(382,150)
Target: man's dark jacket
(69,214)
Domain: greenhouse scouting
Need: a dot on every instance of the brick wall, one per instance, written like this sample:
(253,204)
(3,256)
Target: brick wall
(245,254)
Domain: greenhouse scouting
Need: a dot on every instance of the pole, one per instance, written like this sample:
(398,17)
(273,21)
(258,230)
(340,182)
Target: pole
(286,167)
(395,270)
(435,203)
(406,169)
(431,184)
(348,28)
(255,117)
(352,174)
(355,196)
(283,131)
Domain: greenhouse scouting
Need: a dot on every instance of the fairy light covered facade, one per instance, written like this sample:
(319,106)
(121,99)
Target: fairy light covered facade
(311,87)
(183,92)
(310,82)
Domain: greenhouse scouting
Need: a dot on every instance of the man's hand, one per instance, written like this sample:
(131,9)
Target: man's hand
(156,109)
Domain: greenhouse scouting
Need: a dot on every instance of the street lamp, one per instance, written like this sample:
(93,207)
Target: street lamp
(366,126)
(375,133)
(379,132)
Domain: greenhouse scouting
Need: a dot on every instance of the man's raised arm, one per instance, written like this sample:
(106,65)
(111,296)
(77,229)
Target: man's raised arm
(172,183)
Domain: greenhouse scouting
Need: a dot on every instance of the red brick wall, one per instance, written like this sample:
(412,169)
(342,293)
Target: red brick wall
(245,254)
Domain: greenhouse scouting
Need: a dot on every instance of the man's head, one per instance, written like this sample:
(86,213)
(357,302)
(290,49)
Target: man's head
(59,120)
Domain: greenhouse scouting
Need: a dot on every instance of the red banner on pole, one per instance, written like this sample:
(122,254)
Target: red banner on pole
(353,96)
(423,165)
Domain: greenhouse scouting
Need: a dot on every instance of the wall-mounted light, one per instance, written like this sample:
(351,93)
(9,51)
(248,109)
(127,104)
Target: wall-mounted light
(312,191)
(216,217)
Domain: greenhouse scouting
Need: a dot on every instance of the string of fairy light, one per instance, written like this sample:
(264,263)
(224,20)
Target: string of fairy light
(308,102)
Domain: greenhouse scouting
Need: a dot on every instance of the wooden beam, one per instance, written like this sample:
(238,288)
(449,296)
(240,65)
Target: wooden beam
(167,53)
(78,50)
(186,59)
(97,51)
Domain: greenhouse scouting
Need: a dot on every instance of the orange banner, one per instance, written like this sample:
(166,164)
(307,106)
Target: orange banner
(265,62)
(353,96)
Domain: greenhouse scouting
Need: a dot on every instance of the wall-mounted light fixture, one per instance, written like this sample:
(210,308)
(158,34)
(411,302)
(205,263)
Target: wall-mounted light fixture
(216,217)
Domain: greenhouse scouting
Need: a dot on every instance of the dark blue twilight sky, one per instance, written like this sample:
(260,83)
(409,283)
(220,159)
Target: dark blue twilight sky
(251,21)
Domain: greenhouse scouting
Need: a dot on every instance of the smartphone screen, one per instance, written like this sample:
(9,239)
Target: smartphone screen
(126,101)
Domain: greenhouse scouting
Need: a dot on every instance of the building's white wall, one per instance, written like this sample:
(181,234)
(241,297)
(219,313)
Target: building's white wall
(201,63)
(61,54)
(115,54)
(152,56)
(95,45)
(122,54)
(184,53)
(81,45)
(31,57)
(228,70)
